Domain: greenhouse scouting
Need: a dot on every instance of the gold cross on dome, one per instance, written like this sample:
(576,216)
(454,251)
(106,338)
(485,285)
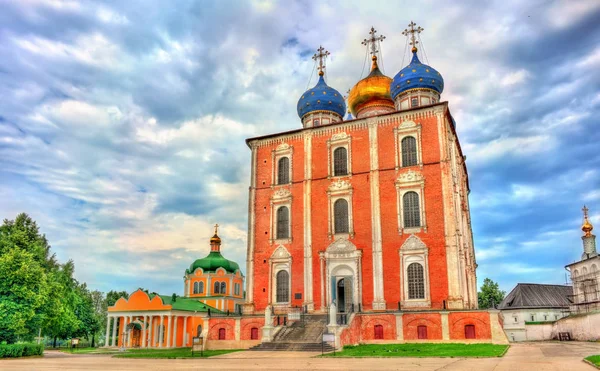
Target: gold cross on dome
(371,42)
(321,55)
(412,31)
(216,228)
(585,211)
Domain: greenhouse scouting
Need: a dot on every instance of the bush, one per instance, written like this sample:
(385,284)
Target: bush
(20,350)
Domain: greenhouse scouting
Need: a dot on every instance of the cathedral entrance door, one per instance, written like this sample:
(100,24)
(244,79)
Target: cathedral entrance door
(344,294)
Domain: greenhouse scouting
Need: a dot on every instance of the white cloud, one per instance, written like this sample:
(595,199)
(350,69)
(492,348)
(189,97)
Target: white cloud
(515,78)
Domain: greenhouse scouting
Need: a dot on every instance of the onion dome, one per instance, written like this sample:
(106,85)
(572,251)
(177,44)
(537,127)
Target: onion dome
(213,261)
(416,76)
(587,227)
(372,91)
(321,98)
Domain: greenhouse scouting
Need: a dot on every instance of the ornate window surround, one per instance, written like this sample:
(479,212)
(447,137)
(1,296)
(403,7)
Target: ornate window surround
(337,190)
(282,150)
(406,129)
(413,250)
(339,140)
(280,260)
(281,197)
(407,182)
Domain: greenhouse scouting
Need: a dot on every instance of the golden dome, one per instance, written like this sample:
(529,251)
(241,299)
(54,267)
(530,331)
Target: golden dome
(373,90)
(215,239)
(587,227)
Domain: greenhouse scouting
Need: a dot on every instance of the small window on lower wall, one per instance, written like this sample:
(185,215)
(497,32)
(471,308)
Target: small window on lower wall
(254,333)
(422,332)
(378,331)
(469,331)
(221,334)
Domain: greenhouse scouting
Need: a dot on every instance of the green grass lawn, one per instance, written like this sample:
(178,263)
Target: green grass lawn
(594,359)
(170,353)
(88,350)
(422,350)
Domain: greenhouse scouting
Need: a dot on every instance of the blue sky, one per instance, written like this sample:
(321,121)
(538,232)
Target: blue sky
(122,124)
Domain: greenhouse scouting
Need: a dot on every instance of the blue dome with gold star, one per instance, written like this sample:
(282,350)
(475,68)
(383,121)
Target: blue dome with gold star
(416,76)
(321,98)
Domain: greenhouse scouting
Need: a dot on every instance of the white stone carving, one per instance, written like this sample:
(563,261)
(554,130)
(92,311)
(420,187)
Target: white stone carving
(341,245)
(410,176)
(282,193)
(283,146)
(407,124)
(338,136)
(340,185)
(413,243)
(280,253)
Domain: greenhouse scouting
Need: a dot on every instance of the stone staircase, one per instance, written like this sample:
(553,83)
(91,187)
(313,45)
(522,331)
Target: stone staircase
(304,336)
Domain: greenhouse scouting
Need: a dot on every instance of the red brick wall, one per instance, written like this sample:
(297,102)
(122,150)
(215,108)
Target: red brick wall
(216,323)
(481,321)
(431,320)
(246,325)
(391,240)
(388,321)
(351,334)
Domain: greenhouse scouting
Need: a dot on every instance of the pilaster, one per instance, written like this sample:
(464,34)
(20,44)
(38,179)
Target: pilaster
(378,290)
(445,326)
(400,326)
(307,199)
(249,306)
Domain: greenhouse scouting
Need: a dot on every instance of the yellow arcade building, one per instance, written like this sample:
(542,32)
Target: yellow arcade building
(213,286)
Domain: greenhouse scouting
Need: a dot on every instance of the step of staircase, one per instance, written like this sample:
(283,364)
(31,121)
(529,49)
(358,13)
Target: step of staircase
(303,335)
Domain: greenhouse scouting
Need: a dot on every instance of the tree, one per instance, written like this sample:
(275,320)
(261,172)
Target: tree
(23,292)
(490,295)
(113,296)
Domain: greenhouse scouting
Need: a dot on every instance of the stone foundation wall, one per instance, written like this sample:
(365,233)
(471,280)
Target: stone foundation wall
(442,326)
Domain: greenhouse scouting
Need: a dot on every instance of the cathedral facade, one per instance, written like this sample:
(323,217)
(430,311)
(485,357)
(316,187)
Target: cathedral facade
(366,212)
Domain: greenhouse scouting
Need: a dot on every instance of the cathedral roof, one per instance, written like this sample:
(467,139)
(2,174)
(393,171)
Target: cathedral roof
(321,97)
(416,75)
(212,262)
(533,295)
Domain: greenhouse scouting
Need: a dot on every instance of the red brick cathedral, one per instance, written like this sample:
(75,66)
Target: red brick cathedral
(371,210)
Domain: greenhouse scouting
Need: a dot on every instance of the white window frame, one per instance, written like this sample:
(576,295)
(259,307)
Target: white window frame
(340,189)
(280,260)
(281,197)
(413,250)
(282,150)
(336,141)
(410,181)
(407,129)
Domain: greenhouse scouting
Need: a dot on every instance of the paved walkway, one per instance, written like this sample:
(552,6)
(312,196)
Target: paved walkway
(530,356)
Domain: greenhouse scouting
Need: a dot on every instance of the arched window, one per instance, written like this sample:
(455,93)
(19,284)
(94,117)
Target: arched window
(409,151)
(378,331)
(414,102)
(199,330)
(340,161)
(283,170)
(201,288)
(340,215)
(195,287)
(416,281)
(254,333)
(216,288)
(283,287)
(223,288)
(283,222)
(221,333)
(410,209)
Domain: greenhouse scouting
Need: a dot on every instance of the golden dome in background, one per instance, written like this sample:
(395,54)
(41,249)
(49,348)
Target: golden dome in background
(373,90)
(587,227)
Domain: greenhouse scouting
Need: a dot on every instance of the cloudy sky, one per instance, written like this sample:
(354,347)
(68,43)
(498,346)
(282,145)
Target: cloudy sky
(122,123)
